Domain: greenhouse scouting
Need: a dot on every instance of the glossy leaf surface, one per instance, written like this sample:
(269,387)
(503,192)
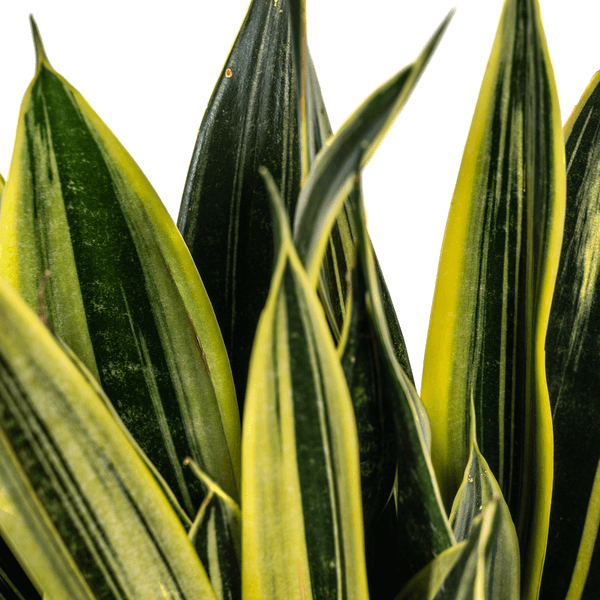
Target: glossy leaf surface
(495,283)
(572,567)
(302,518)
(83,513)
(225,219)
(119,286)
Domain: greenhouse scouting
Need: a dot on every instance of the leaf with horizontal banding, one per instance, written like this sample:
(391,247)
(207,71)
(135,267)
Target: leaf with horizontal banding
(423,530)
(459,573)
(82,512)
(123,291)
(572,567)
(479,487)
(302,519)
(331,175)
(216,534)
(225,219)
(494,286)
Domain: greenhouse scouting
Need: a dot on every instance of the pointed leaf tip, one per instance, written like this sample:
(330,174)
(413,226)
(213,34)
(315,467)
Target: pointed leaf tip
(40,54)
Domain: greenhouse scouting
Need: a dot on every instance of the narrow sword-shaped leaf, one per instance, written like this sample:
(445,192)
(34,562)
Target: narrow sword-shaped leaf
(494,287)
(123,291)
(478,489)
(216,534)
(459,573)
(225,219)
(572,567)
(331,176)
(302,519)
(85,516)
(423,529)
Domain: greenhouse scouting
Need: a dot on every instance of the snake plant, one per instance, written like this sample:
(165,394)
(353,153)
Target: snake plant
(225,408)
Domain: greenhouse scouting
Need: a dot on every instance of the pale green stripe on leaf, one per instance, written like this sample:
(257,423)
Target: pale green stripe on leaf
(423,529)
(216,535)
(478,489)
(331,176)
(83,513)
(302,534)
(123,291)
(495,282)
(459,573)
(572,565)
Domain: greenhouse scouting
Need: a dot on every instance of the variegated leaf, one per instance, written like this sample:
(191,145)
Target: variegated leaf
(459,573)
(572,567)
(302,519)
(478,489)
(120,287)
(216,533)
(331,176)
(81,510)
(422,528)
(495,283)
(251,120)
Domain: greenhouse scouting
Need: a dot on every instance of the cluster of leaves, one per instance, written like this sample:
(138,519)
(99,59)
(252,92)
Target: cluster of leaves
(256,433)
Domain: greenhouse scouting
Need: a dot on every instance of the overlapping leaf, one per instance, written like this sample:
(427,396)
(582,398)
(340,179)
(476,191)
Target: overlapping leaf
(302,520)
(251,120)
(572,567)
(460,572)
(331,176)
(83,513)
(422,528)
(495,283)
(216,533)
(478,489)
(120,286)
(14,582)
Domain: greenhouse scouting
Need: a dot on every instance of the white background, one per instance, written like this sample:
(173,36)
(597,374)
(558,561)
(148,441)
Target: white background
(148,69)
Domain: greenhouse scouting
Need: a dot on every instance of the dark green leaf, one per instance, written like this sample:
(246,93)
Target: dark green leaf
(494,286)
(120,286)
(225,219)
(572,567)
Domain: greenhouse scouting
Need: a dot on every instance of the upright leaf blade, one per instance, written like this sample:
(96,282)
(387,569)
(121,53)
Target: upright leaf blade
(478,489)
(123,292)
(331,176)
(572,567)
(216,535)
(495,283)
(459,573)
(84,514)
(302,521)
(423,529)
(251,120)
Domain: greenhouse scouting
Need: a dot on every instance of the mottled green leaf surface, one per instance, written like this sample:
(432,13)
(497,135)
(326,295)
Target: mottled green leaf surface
(572,567)
(495,282)
(251,120)
(80,509)
(302,518)
(84,236)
